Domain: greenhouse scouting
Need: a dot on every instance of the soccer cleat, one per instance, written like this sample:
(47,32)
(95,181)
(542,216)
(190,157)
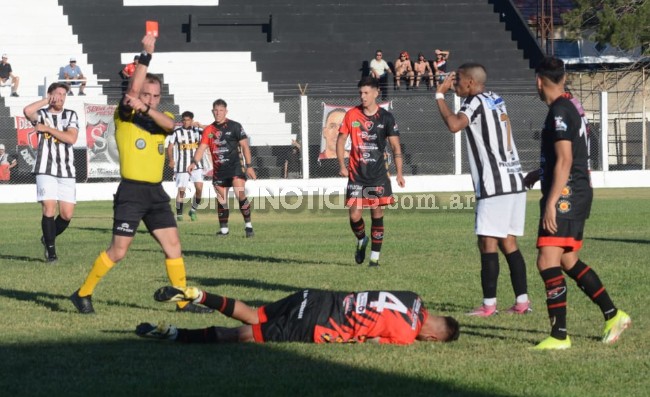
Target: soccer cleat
(552,343)
(176,294)
(50,254)
(484,311)
(373,263)
(179,218)
(360,254)
(615,326)
(222,234)
(249,232)
(82,94)
(84,304)
(70,93)
(192,308)
(160,331)
(14,94)
(520,308)
(192,215)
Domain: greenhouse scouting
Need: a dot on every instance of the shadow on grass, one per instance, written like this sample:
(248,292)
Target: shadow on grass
(137,367)
(23,258)
(47,300)
(620,240)
(472,329)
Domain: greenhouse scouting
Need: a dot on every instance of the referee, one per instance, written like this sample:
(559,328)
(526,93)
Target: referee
(140,131)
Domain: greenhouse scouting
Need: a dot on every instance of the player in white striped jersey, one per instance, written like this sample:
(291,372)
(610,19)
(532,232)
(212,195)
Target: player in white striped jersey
(183,143)
(57,130)
(498,181)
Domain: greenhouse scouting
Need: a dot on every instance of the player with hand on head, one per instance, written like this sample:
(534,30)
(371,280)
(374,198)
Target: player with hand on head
(564,207)
(311,316)
(57,130)
(227,142)
(140,131)
(370,129)
(497,178)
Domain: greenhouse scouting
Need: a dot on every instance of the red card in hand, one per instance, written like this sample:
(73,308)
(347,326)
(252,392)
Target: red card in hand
(152,28)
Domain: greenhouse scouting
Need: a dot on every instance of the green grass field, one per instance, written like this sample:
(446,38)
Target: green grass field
(48,349)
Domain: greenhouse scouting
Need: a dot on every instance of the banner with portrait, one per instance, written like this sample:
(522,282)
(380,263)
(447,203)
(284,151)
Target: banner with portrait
(103,156)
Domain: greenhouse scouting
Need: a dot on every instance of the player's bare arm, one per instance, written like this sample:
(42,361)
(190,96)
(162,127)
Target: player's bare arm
(399,161)
(197,157)
(30,111)
(340,154)
(454,122)
(170,155)
(563,151)
(246,151)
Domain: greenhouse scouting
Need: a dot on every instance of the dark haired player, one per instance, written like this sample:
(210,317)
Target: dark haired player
(140,131)
(564,207)
(312,316)
(370,128)
(227,142)
(183,144)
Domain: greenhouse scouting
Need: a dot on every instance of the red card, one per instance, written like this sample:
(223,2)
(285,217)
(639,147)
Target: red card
(152,28)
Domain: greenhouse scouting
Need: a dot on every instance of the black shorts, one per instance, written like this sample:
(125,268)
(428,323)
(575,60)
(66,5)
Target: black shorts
(293,319)
(135,201)
(369,196)
(226,181)
(568,236)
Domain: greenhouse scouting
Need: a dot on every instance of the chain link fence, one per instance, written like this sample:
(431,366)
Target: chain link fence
(428,147)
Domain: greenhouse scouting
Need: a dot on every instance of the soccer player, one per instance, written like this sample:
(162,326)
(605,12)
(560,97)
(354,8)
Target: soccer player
(185,139)
(57,130)
(312,316)
(564,207)
(497,178)
(140,131)
(227,142)
(370,128)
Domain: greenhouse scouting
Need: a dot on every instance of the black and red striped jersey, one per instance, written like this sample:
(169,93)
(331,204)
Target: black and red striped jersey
(369,137)
(223,142)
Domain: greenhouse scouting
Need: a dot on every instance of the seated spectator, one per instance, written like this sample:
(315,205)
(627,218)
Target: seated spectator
(403,69)
(379,69)
(72,73)
(293,162)
(440,65)
(423,70)
(7,162)
(7,77)
(129,69)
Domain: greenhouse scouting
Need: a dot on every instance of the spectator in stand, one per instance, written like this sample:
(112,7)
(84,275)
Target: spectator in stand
(129,69)
(72,73)
(7,162)
(423,69)
(6,75)
(379,69)
(293,163)
(403,69)
(440,65)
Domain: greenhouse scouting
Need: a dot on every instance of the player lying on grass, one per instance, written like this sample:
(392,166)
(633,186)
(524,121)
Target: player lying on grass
(311,316)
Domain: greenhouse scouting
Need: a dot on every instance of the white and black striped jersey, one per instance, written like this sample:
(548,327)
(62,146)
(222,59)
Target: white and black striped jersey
(55,157)
(186,142)
(493,157)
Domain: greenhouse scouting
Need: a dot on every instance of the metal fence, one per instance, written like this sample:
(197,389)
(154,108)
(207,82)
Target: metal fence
(428,147)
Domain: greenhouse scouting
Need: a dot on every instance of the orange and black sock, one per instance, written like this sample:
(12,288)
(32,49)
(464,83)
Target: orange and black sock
(556,292)
(220,303)
(245,209)
(377,234)
(590,284)
(358,228)
(223,213)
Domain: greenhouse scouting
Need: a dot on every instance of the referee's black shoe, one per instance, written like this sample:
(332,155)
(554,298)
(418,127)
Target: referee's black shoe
(84,304)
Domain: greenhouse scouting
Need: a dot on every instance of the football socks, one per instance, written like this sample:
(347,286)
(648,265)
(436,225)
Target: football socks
(489,274)
(176,274)
(376,235)
(61,224)
(517,267)
(590,284)
(556,297)
(101,266)
(358,228)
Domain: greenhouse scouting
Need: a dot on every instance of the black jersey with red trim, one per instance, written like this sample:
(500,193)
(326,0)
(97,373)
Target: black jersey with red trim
(338,317)
(223,142)
(566,121)
(369,135)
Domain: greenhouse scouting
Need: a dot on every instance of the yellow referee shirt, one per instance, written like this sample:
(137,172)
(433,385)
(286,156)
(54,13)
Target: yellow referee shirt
(141,144)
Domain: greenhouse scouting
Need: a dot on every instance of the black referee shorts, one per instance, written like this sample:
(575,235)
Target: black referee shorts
(135,201)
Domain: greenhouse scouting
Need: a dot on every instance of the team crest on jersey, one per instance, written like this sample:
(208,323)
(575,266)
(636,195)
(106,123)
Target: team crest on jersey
(563,206)
(140,143)
(566,191)
(560,125)
(161,148)
(368,125)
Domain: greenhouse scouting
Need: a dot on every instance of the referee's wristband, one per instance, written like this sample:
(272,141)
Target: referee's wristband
(440,95)
(145,58)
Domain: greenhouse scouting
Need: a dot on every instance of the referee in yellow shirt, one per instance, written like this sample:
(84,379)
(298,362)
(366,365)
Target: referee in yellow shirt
(140,131)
